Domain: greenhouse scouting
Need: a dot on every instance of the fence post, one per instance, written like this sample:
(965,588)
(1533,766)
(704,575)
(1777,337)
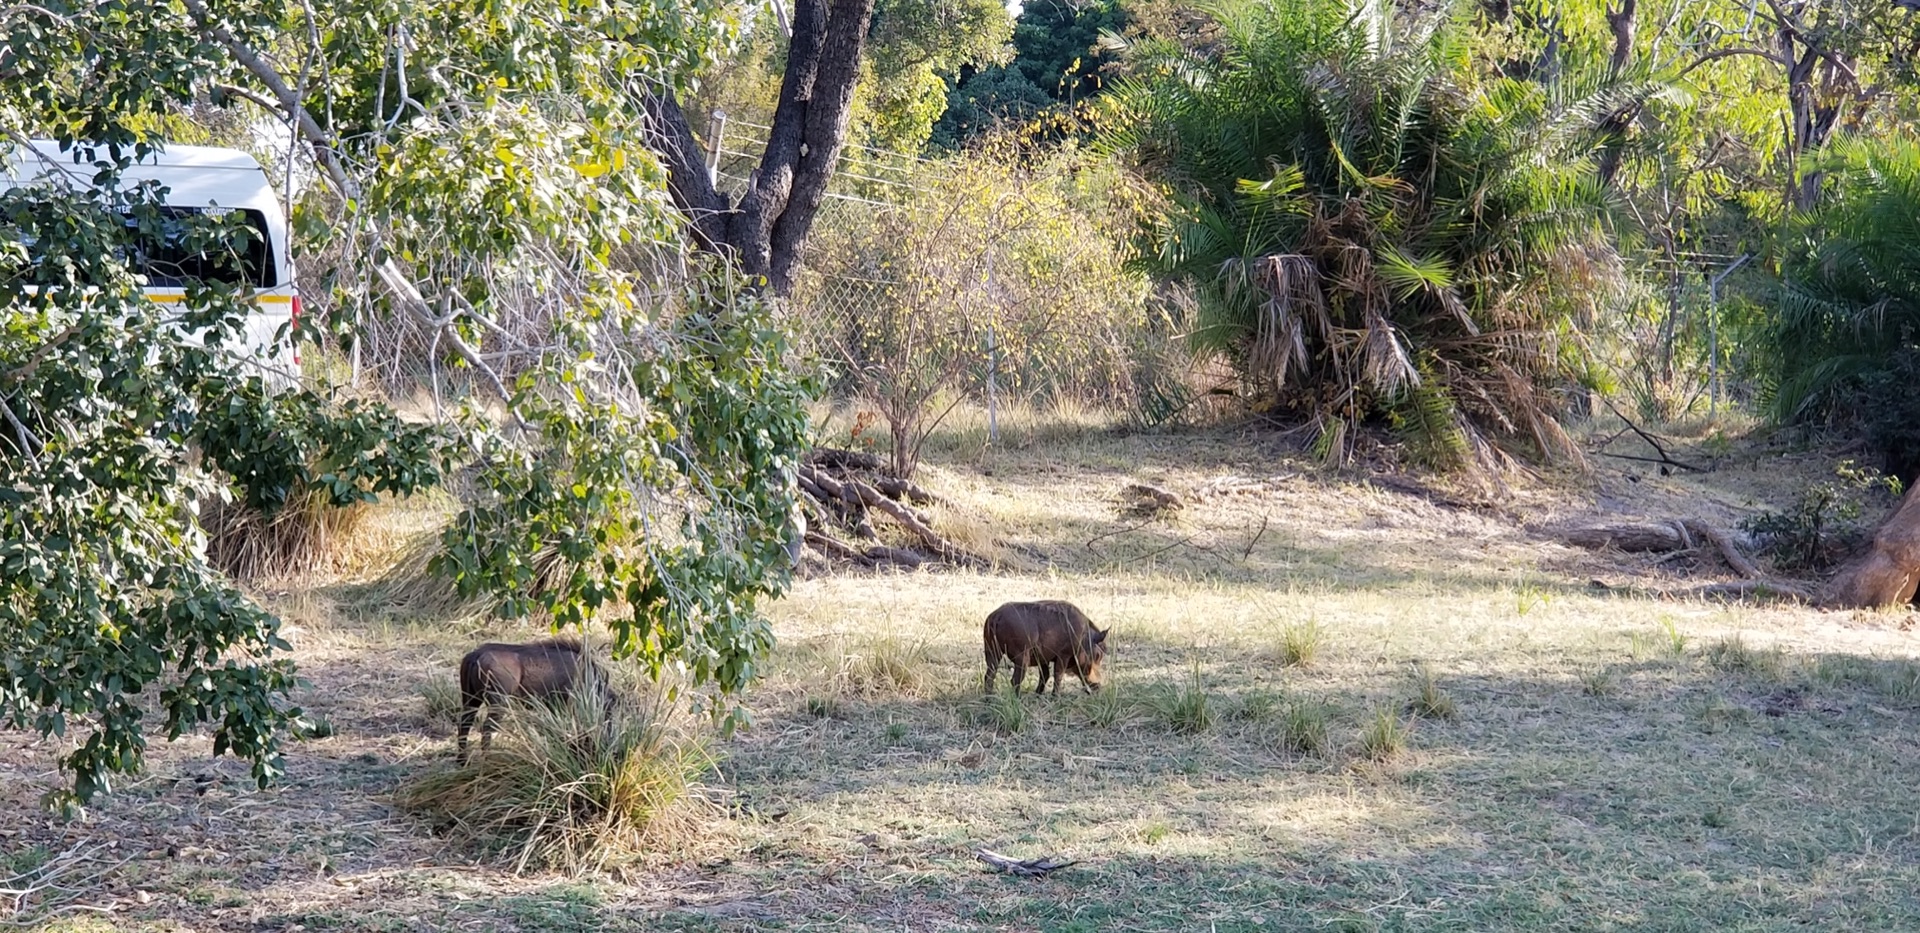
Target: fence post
(1713,335)
(716,132)
(993,401)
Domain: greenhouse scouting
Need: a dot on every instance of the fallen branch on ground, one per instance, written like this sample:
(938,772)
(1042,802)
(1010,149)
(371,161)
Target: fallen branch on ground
(1664,459)
(1742,589)
(847,489)
(1031,868)
(1683,535)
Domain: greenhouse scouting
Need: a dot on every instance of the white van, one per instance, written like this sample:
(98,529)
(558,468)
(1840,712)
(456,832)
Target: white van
(198,179)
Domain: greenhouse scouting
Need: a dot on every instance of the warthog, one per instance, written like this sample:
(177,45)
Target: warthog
(1050,634)
(545,670)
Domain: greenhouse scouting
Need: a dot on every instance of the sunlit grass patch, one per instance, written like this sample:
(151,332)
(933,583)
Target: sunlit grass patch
(884,665)
(1300,642)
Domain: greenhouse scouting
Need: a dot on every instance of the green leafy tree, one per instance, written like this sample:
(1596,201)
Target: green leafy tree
(1371,228)
(120,414)
(478,176)
(1057,59)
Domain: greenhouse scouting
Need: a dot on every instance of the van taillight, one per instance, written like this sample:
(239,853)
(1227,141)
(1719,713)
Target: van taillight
(293,328)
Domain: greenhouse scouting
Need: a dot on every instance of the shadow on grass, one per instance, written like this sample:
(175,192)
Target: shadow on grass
(1712,790)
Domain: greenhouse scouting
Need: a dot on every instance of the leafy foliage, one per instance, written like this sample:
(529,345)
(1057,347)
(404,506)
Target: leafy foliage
(1811,534)
(476,187)
(1850,299)
(1363,216)
(120,414)
(1057,58)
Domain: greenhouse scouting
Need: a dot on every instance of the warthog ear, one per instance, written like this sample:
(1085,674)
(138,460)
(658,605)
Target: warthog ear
(1099,635)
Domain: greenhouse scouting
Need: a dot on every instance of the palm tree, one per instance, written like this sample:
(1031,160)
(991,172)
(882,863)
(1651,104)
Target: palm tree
(1850,298)
(1371,228)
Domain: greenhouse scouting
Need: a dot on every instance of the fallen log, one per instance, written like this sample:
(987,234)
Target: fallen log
(1742,589)
(1629,536)
(1728,549)
(855,499)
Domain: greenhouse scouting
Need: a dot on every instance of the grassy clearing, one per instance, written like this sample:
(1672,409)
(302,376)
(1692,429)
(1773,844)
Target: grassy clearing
(1468,737)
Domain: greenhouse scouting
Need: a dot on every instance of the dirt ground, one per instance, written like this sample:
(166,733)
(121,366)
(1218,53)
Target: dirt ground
(1516,733)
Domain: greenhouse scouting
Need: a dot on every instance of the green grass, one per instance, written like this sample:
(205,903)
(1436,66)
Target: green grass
(1429,700)
(1300,642)
(1186,708)
(1383,736)
(1004,710)
(1304,726)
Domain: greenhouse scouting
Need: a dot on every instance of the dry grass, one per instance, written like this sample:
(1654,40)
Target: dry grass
(1614,762)
(574,786)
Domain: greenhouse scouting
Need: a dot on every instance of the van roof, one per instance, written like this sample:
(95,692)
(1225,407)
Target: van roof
(195,176)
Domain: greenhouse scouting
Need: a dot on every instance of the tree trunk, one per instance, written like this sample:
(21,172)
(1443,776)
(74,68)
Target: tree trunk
(765,232)
(1613,128)
(1886,575)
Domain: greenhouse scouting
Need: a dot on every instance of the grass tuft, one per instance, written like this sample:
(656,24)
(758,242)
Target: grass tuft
(1000,710)
(1673,641)
(1257,706)
(1187,708)
(1429,700)
(1735,656)
(440,701)
(1105,708)
(885,665)
(1300,642)
(1304,726)
(1596,681)
(572,786)
(295,538)
(1384,736)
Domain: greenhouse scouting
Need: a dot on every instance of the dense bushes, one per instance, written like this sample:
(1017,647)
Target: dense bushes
(1004,241)
(1843,345)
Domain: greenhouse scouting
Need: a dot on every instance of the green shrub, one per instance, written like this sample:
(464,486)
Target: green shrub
(1822,523)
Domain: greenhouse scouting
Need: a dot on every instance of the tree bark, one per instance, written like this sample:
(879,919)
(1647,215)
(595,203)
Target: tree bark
(765,232)
(1888,573)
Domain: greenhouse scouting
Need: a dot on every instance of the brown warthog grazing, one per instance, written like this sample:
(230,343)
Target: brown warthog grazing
(1050,634)
(545,670)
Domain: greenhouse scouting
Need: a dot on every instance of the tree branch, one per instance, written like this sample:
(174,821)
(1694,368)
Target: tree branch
(322,145)
(687,180)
